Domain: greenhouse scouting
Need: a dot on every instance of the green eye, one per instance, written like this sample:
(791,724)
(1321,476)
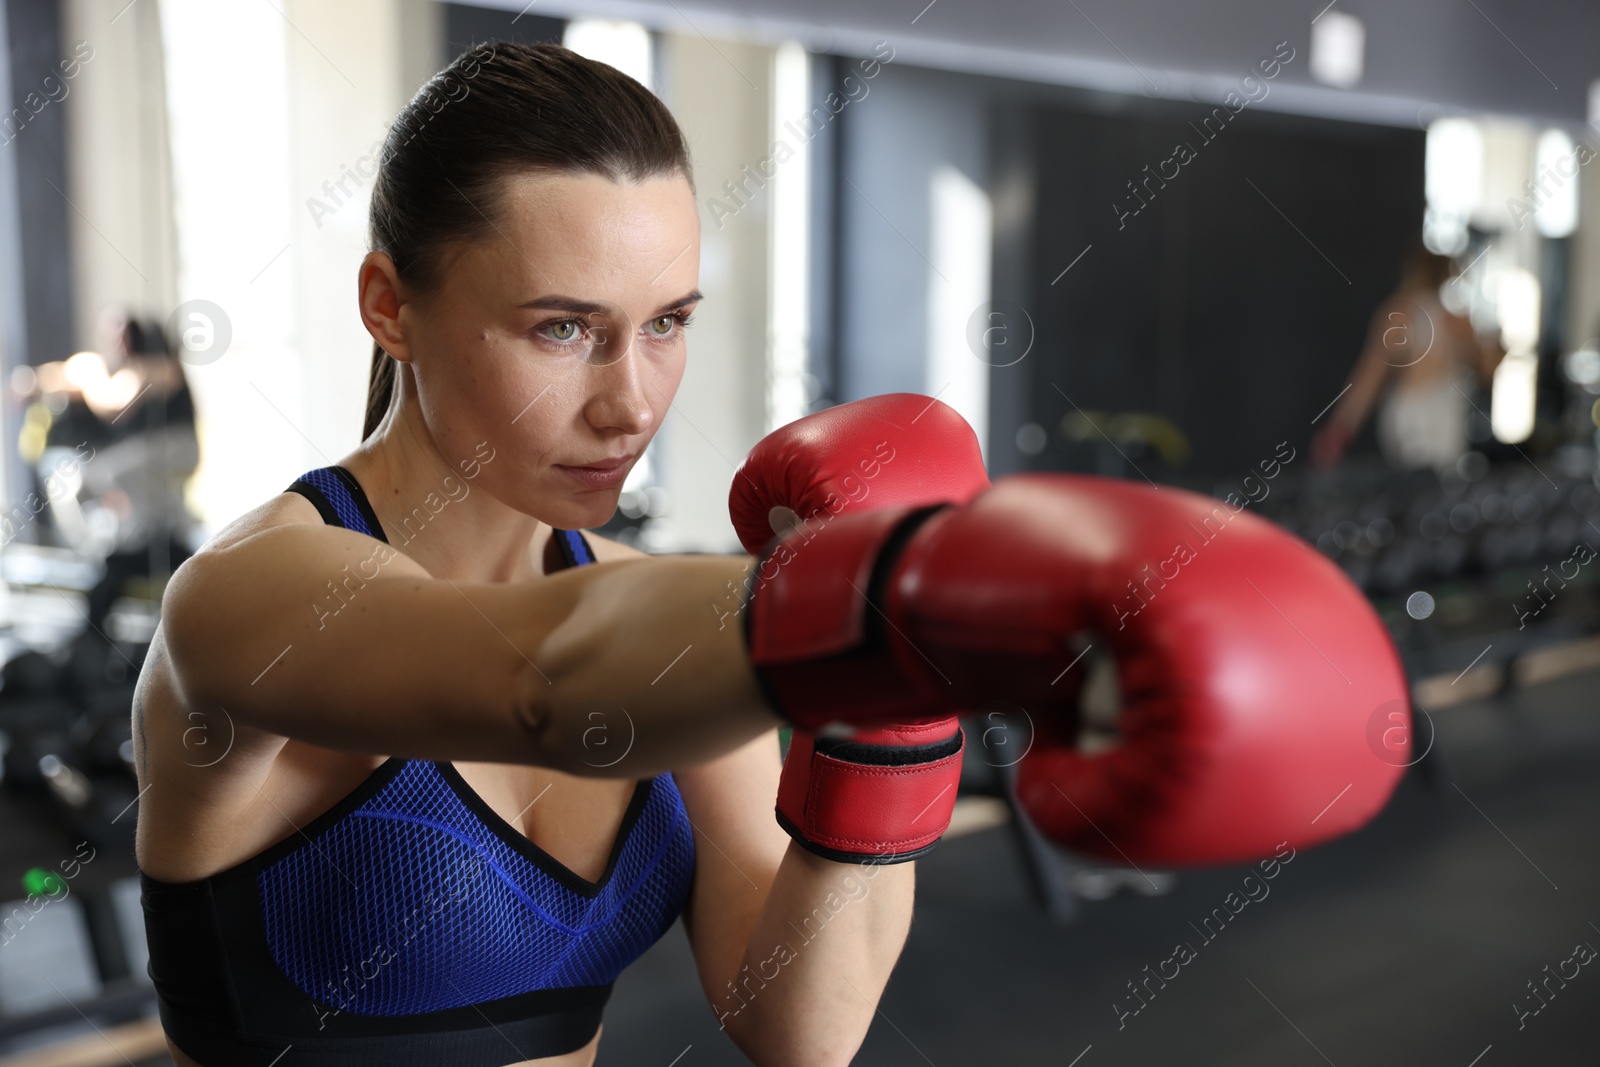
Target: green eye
(564,331)
(664,324)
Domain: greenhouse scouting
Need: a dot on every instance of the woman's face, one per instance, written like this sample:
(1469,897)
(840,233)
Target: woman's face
(560,340)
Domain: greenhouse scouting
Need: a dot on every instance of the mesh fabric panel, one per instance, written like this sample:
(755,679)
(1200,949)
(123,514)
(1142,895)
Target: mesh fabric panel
(338,495)
(411,904)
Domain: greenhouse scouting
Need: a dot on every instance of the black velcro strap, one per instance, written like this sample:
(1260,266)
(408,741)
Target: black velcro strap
(848,751)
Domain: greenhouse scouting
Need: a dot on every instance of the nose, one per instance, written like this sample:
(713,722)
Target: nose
(619,401)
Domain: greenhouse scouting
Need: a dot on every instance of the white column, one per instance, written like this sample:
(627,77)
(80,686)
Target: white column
(119,170)
(962,230)
(346,84)
(788,238)
(274,113)
(720,95)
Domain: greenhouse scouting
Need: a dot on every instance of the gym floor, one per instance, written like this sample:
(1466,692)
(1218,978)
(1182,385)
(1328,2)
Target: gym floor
(1411,942)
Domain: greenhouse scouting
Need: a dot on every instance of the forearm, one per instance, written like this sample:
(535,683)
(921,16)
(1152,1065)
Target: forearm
(329,637)
(648,670)
(819,956)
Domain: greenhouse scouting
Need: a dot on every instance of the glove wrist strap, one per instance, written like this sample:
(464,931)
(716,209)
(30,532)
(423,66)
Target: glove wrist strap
(849,800)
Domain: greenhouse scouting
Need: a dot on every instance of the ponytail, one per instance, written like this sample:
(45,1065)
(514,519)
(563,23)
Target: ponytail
(380,389)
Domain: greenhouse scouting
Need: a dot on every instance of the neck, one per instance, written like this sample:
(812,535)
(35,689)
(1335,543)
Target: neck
(439,509)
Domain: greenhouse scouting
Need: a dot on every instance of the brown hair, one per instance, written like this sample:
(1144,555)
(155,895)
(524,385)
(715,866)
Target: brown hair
(498,109)
(1425,268)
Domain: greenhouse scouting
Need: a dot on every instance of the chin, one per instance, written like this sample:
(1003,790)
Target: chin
(594,510)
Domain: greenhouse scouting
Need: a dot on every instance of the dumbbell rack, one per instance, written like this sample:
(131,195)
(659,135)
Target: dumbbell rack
(74,952)
(1476,578)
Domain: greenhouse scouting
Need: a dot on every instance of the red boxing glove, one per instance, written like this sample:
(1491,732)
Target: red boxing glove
(884,794)
(881,452)
(1251,669)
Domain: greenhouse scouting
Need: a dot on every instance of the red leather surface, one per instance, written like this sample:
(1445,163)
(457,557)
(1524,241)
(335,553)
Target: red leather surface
(884,451)
(872,460)
(809,595)
(1249,666)
(871,810)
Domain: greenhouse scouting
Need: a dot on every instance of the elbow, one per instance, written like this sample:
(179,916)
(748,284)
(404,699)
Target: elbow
(551,731)
(568,715)
(534,715)
(775,1043)
(182,628)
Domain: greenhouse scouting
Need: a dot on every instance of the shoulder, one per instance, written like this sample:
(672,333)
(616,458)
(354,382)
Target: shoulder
(606,549)
(285,509)
(228,551)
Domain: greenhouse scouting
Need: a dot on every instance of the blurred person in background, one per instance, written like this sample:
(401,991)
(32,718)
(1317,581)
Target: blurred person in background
(1418,368)
(113,432)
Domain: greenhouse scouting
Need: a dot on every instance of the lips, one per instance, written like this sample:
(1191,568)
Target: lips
(599,465)
(604,474)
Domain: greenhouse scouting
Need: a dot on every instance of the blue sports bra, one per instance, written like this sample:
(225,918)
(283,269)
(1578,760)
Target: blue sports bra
(410,924)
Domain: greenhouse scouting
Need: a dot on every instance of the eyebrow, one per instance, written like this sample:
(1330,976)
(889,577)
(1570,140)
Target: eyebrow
(573,306)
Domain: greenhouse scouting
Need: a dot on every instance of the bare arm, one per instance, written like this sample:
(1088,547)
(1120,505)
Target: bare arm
(1371,372)
(149,375)
(331,637)
(793,951)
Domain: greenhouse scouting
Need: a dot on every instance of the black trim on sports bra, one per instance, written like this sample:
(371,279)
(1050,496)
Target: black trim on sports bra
(326,510)
(362,503)
(318,501)
(559,551)
(538,856)
(549,1022)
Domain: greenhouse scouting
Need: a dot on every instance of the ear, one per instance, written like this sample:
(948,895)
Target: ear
(381,296)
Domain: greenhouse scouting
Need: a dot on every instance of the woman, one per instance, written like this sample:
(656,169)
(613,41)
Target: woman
(1428,358)
(467,894)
